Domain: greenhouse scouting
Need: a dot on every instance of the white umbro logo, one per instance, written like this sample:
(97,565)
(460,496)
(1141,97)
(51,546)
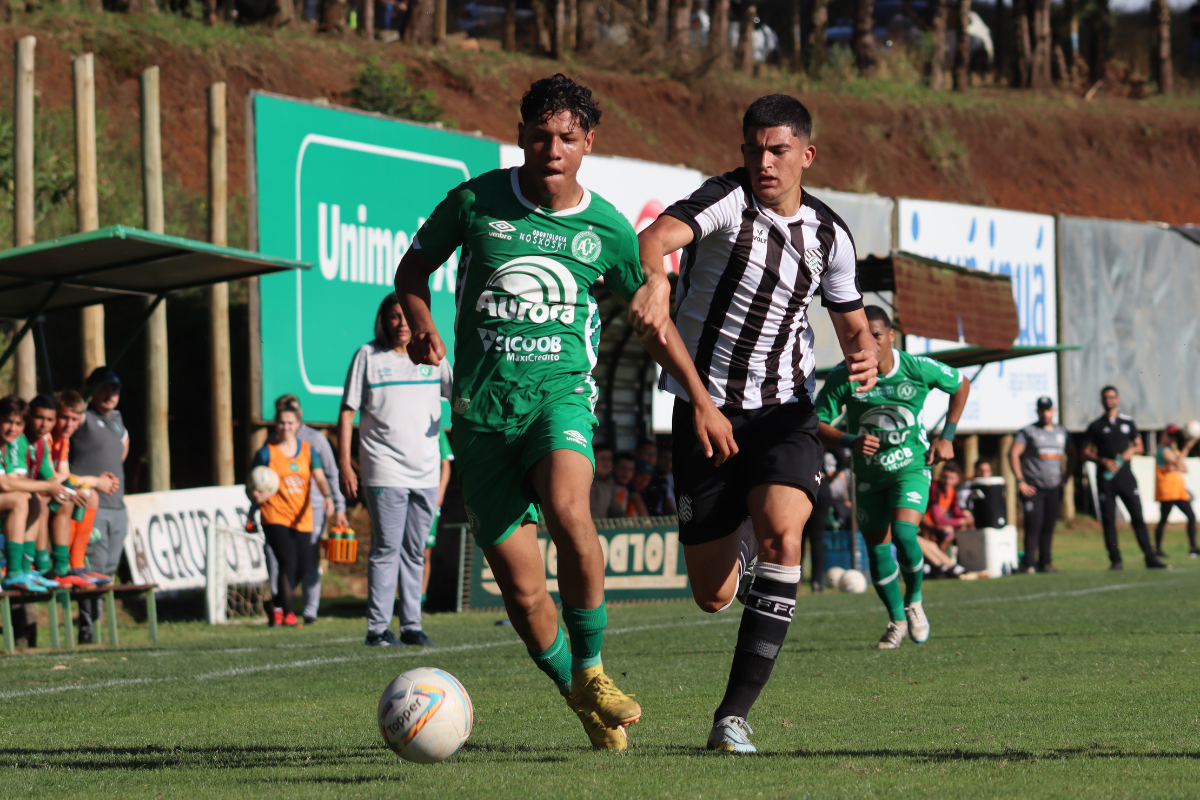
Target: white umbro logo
(914,497)
(502,226)
(685,508)
(576,437)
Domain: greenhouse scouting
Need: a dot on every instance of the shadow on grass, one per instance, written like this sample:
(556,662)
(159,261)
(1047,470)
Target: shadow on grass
(153,756)
(931,756)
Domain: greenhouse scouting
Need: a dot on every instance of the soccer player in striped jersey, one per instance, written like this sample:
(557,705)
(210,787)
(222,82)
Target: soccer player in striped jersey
(757,247)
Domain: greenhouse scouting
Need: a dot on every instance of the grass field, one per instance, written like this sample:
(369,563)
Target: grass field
(1082,683)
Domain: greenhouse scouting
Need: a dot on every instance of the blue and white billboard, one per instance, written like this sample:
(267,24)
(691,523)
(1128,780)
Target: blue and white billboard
(1015,243)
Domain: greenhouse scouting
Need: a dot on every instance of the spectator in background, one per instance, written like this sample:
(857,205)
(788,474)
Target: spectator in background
(287,518)
(1112,440)
(311,579)
(944,518)
(659,492)
(647,451)
(401,407)
(624,470)
(603,504)
(1169,488)
(839,487)
(100,445)
(664,470)
(642,476)
(1041,457)
(814,530)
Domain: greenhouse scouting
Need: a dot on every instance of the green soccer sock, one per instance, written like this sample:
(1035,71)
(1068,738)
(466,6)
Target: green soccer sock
(886,577)
(15,553)
(30,555)
(41,561)
(423,596)
(61,555)
(586,627)
(912,560)
(556,662)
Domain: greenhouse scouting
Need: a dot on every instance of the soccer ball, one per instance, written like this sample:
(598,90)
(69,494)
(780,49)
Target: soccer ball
(833,575)
(853,581)
(425,715)
(1192,429)
(263,478)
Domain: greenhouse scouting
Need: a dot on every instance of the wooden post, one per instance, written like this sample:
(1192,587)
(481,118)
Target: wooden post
(962,61)
(937,59)
(745,47)
(557,35)
(221,379)
(816,37)
(718,32)
(25,364)
(510,25)
(864,36)
(1162,45)
(970,454)
(1010,479)
(87,207)
(158,447)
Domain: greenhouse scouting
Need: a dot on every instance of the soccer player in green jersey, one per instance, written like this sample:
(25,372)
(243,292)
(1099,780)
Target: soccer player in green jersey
(534,242)
(892,455)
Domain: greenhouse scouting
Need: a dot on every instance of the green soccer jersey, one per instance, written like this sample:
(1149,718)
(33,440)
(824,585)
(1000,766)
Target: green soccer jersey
(527,330)
(16,457)
(890,411)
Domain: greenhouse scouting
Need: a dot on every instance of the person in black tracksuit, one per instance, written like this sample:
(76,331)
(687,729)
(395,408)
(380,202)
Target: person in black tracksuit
(1111,441)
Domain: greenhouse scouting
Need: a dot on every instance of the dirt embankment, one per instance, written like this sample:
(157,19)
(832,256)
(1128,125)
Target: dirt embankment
(1115,158)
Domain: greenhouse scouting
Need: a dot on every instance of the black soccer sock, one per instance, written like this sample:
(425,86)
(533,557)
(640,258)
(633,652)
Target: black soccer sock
(765,620)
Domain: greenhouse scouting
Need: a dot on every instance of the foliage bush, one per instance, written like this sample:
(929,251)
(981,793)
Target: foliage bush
(388,90)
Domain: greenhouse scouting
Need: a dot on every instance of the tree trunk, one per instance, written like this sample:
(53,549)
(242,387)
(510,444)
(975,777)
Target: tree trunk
(572,25)
(1101,24)
(745,47)
(366,17)
(210,12)
(864,36)
(1024,71)
(510,26)
(681,23)
(718,32)
(541,27)
(962,60)
(1060,64)
(1000,45)
(585,32)
(797,40)
(662,10)
(816,38)
(1162,47)
(285,12)
(1042,46)
(559,33)
(643,12)
(937,59)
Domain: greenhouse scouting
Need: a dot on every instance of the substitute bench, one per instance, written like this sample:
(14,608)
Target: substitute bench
(63,597)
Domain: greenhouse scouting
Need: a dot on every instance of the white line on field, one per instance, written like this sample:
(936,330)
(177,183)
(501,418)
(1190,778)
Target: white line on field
(428,651)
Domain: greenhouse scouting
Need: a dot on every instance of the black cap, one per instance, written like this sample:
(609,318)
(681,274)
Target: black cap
(1044,403)
(101,376)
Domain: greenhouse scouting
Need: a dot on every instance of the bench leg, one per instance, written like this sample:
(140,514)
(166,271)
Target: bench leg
(152,616)
(52,609)
(68,620)
(111,612)
(10,641)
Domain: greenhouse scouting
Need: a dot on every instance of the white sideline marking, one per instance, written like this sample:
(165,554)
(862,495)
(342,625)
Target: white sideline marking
(402,652)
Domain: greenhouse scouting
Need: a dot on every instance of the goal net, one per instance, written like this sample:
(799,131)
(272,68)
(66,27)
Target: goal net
(236,582)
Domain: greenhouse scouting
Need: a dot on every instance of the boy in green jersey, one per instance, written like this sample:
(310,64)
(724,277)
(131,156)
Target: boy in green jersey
(18,503)
(892,455)
(527,331)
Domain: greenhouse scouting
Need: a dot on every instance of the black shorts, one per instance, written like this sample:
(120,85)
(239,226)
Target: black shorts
(776,444)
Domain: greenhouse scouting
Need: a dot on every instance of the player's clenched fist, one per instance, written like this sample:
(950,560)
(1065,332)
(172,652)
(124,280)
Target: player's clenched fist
(714,432)
(650,308)
(864,368)
(426,347)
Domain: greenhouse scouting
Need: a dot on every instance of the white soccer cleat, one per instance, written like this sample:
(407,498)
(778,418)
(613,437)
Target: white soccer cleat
(893,636)
(918,624)
(731,735)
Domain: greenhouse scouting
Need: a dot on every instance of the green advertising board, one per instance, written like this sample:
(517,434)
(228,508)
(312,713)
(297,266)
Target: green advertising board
(644,562)
(346,191)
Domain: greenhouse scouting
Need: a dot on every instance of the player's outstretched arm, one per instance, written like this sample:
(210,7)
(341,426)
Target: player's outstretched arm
(412,290)
(864,443)
(943,446)
(650,309)
(859,347)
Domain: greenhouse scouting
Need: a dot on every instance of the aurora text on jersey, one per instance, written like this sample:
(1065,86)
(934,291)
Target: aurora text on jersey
(891,411)
(527,328)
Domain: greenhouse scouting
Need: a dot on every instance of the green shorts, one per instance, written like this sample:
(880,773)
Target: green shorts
(493,466)
(431,539)
(876,502)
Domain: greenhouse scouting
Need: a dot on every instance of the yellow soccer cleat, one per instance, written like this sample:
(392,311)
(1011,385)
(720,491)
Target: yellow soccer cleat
(592,689)
(601,736)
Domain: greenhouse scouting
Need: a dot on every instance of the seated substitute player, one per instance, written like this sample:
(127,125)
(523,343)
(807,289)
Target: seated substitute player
(757,247)
(70,413)
(19,501)
(534,242)
(892,455)
(52,557)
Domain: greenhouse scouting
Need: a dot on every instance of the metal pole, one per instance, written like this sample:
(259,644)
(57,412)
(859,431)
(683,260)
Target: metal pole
(158,447)
(23,188)
(87,207)
(221,383)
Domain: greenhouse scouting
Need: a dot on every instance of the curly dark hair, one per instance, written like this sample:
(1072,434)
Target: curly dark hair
(550,96)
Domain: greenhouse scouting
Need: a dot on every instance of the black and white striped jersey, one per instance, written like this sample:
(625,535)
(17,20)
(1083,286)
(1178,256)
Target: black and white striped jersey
(745,285)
